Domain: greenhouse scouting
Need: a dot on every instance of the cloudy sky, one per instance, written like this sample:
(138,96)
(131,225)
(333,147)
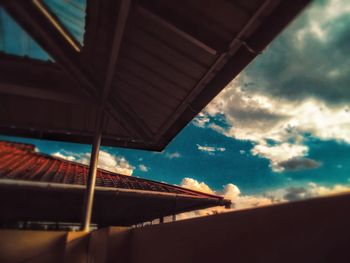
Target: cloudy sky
(279,132)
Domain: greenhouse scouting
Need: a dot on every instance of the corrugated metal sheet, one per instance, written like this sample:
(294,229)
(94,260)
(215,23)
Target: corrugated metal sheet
(16,41)
(174,58)
(71,13)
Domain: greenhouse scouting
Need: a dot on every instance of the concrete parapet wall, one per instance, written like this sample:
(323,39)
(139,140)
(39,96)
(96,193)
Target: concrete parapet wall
(307,231)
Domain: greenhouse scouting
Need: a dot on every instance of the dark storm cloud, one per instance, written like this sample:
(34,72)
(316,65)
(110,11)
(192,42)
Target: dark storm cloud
(310,59)
(296,193)
(296,164)
(250,114)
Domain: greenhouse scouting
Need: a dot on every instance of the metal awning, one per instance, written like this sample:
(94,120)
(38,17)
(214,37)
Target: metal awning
(52,202)
(153,64)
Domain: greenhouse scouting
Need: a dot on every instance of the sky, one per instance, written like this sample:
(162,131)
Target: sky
(278,132)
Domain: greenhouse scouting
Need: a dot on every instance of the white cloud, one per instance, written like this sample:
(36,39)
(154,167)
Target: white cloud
(263,119)
(279,153)
(193,184)
(241,201)
(284,95)
(63,156)
(318,190)
(311,190)
(210,149)
(143,168)
(107,161)
(201,120)
(229,191)
(173,155)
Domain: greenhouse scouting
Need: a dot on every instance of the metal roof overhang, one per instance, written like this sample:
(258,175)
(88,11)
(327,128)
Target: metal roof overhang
(154,65)
(52,202)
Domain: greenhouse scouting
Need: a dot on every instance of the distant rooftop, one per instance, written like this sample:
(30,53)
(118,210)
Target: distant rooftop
(20,161)
(26,174)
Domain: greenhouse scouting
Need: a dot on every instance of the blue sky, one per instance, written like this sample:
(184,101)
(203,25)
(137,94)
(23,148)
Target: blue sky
(280,131)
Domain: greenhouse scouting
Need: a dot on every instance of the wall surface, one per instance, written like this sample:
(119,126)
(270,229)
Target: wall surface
(32,246)
(309,231)
(59,246)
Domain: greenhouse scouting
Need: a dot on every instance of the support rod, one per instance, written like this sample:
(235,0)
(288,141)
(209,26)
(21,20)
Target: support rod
(91,180)
(123,12)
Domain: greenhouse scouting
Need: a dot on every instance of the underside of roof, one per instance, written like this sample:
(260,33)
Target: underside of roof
(40,187)
(154,65)
(50,202)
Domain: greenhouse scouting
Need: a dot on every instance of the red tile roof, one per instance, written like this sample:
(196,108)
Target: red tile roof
(20,161)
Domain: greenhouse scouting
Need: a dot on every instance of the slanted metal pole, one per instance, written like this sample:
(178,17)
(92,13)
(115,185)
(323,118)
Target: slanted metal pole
(123,12)
(91,180)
